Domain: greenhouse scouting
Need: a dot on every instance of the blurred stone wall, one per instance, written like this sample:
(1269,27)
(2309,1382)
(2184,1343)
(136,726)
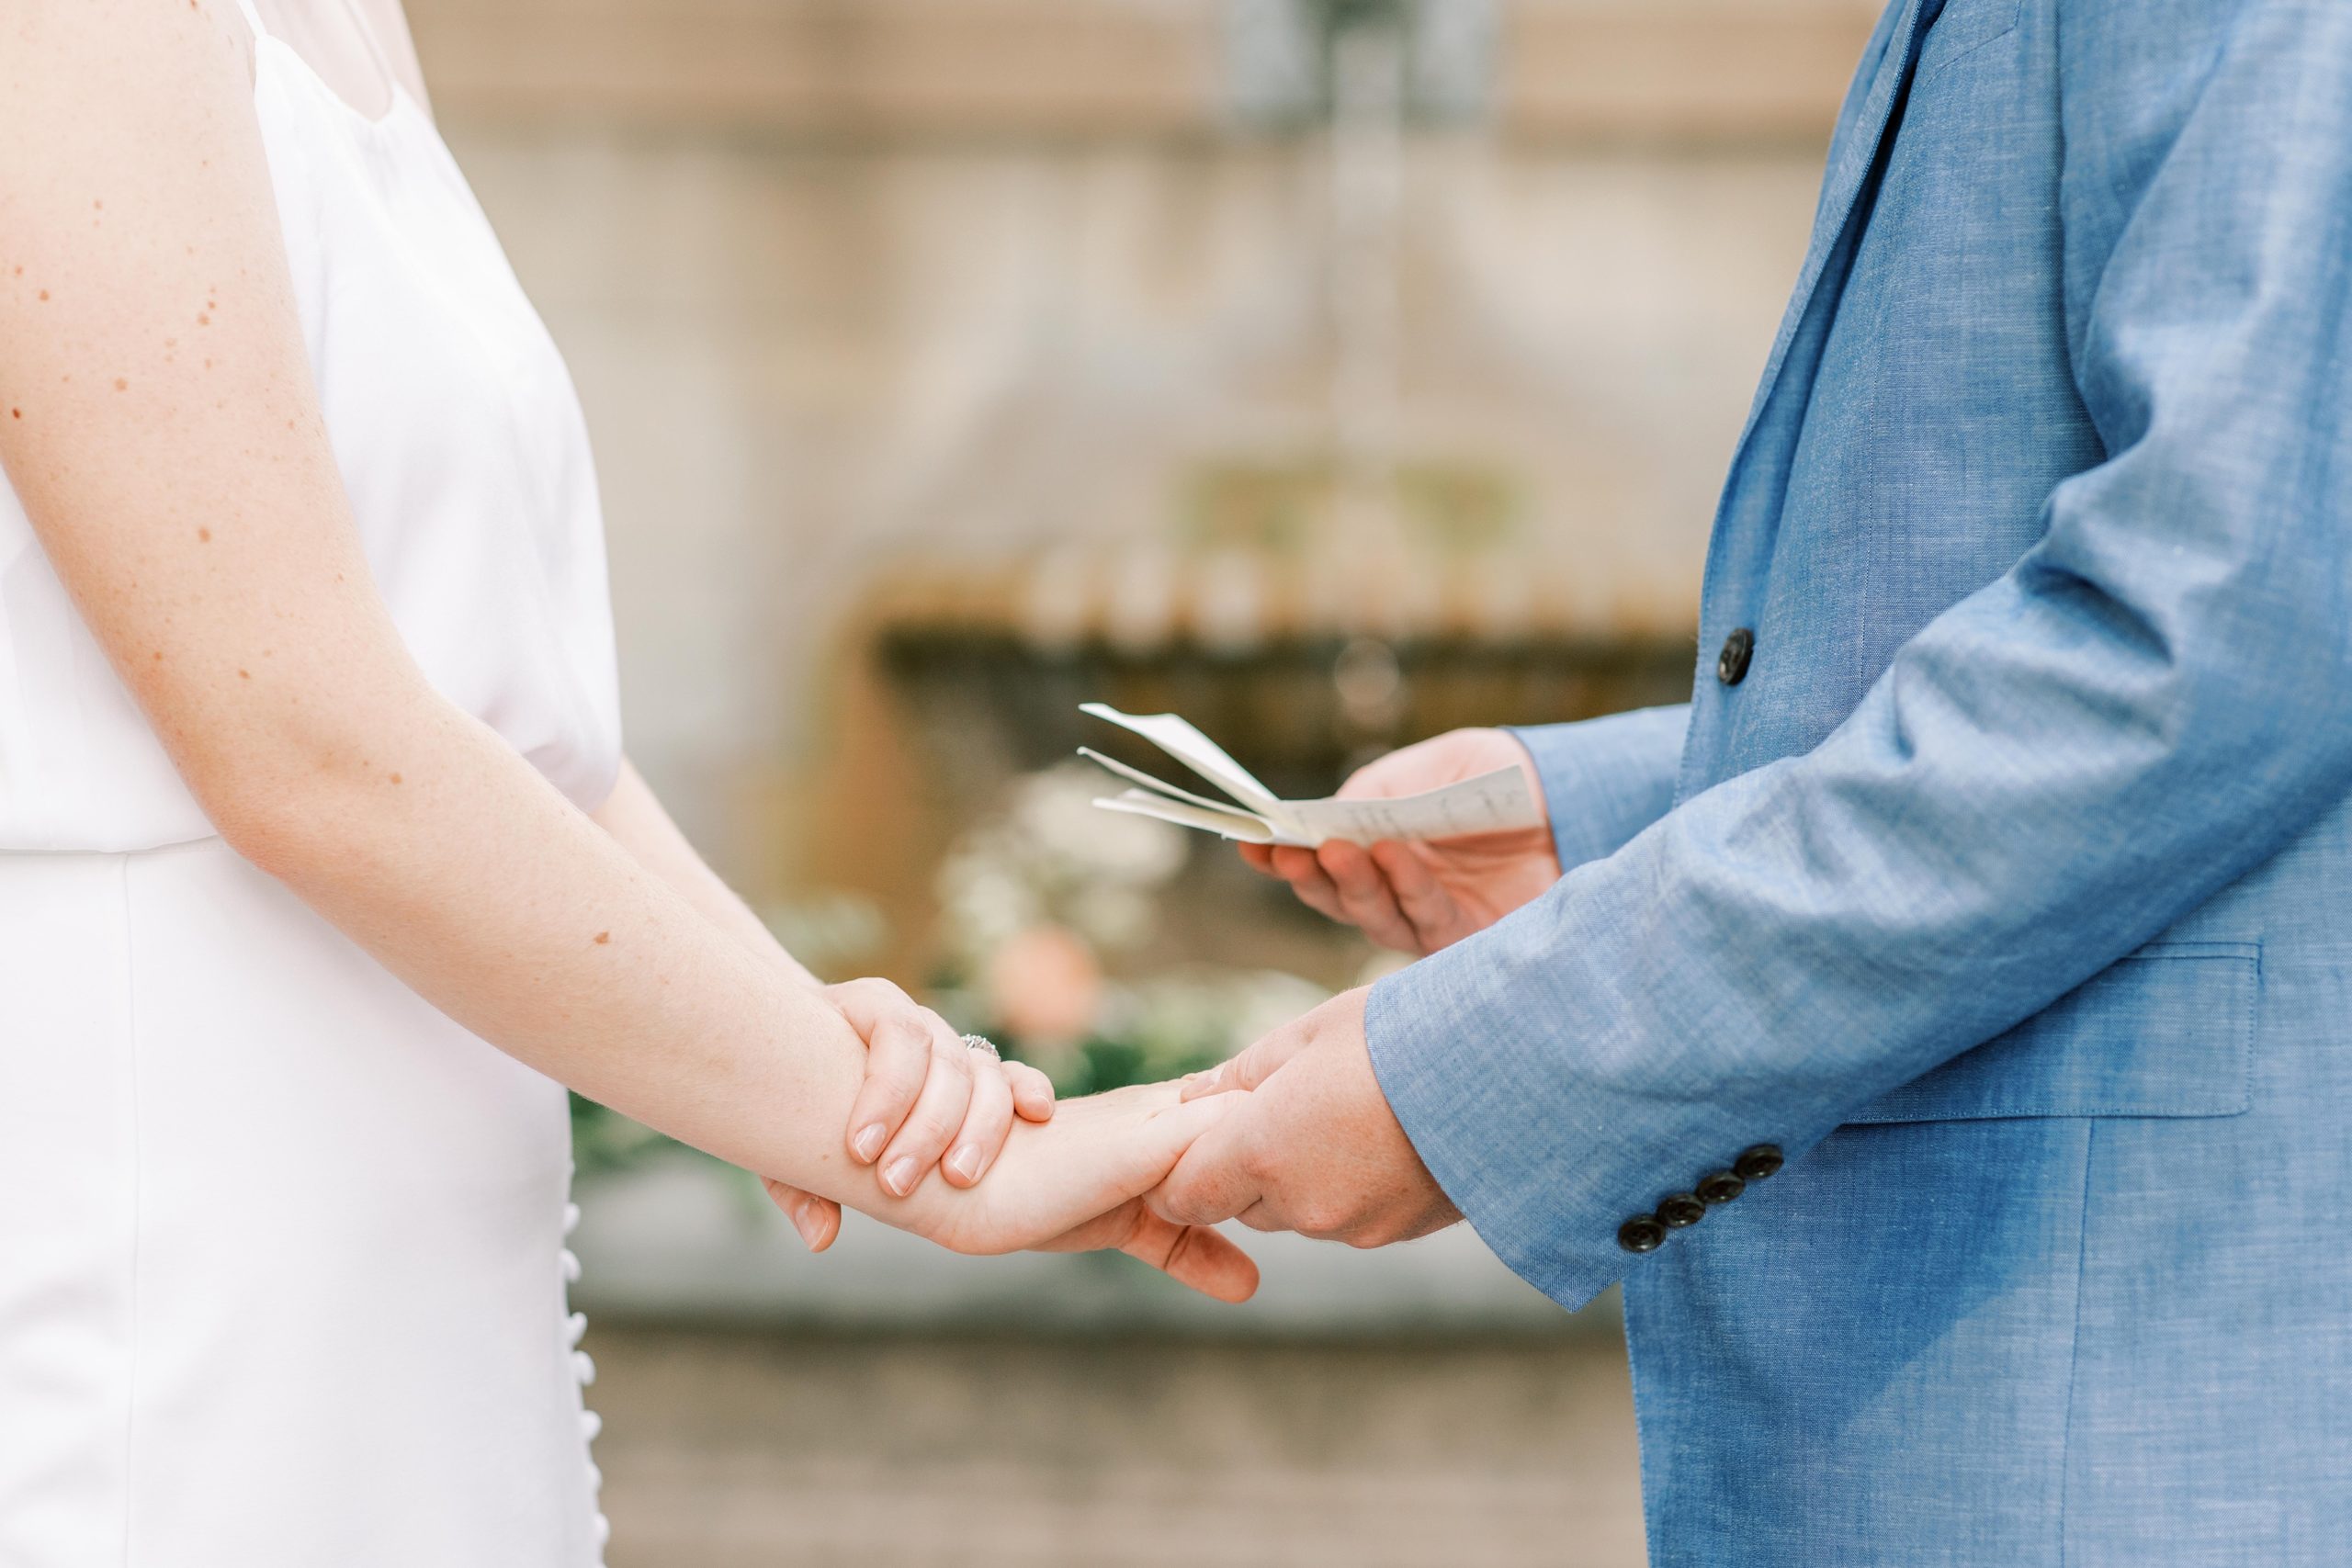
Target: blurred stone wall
(861,289)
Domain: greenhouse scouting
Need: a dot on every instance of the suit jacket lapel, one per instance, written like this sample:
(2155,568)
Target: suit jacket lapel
(1749,496)
(1869,104)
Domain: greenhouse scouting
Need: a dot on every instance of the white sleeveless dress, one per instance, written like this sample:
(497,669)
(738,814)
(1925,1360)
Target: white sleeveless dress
(282,1247)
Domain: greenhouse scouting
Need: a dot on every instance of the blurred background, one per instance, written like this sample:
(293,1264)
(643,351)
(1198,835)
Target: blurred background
(1334,372)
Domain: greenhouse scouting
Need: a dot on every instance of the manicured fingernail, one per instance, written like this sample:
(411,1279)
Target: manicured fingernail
(966,1162)
(803,1221)
(868,1144)
(900,1178)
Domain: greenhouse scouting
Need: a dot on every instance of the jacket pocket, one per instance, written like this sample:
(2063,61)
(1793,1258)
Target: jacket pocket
(2169,1030)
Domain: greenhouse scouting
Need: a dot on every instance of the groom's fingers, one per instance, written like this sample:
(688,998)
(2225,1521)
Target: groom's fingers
(1218,1177)
(1304,873)
(1254,1065)
(819,1219)
(1194,1256)
(1365,897)
(1420,897)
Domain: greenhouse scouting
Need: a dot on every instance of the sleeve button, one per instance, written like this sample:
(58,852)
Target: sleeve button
(1721,1188)
(1680,1209)
(1640,1234)
(1755,1163)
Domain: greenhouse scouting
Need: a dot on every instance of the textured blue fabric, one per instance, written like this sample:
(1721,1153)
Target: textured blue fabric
(2010,893)
(1606,779)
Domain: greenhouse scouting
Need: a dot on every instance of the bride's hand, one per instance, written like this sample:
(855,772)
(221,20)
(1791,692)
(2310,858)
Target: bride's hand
(1077,1183)
(929,1100)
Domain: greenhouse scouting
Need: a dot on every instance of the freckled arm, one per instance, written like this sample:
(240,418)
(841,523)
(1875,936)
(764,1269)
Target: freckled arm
(163,431)
(636,818)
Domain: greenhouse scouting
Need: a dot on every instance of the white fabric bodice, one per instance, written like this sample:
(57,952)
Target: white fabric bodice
(463,447)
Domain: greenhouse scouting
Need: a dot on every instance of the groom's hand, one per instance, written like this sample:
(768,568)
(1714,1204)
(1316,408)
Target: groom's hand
(1312,1146)
(1077,1183)
(1420,897)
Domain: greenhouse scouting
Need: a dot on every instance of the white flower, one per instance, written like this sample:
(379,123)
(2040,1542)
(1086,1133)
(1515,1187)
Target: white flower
(1112,918)
(1208,1012)
(1056,811)
(985,901)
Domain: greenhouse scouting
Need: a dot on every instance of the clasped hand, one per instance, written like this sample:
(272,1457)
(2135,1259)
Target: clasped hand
(1017,1171)
(1315,1148)
(1293,1133)
(1076,1184)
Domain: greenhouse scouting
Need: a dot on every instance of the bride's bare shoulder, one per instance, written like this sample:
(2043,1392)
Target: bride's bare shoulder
(168,56)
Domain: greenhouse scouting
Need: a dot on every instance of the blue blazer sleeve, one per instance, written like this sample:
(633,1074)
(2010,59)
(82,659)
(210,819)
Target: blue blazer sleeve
(1606,779)
(2149,704)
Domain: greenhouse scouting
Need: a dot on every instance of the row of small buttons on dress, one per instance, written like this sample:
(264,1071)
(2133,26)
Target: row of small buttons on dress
(575,1327)
(1647,1232)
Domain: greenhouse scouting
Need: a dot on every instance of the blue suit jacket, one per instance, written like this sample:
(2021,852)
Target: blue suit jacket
(2008,891)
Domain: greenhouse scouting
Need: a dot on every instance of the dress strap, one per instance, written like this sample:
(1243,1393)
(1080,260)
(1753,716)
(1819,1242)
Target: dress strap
(252,18)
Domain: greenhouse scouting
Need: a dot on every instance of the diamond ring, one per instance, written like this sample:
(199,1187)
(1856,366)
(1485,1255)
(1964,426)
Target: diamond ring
(985,1046)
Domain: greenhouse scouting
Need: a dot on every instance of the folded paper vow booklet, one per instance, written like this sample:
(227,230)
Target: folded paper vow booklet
(1491,803)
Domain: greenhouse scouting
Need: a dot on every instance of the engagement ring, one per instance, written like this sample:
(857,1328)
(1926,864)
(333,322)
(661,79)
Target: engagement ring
(985,1045)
